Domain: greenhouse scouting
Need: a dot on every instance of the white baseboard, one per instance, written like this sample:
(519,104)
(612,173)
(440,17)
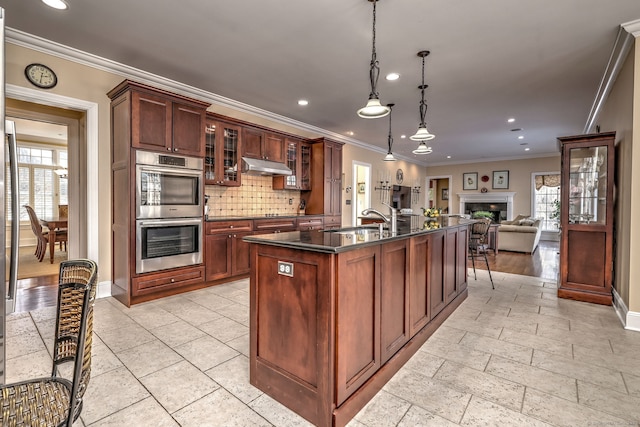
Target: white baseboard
(629,319)
(103,290)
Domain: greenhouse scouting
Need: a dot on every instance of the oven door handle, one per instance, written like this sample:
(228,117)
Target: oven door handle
(170,171)
(165,222)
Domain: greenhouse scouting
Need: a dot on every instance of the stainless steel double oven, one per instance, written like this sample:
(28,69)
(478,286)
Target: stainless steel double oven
(169,211)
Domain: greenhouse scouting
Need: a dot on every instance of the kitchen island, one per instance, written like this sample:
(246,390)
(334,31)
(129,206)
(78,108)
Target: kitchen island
(334,314)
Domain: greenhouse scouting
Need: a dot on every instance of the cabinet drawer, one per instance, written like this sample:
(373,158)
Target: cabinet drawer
(275,225)
(332,221)
(154,282)
(313,223)
(226,226)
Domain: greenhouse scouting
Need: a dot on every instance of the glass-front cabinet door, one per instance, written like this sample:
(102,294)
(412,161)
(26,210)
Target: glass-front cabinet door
(586,217)
(222,154)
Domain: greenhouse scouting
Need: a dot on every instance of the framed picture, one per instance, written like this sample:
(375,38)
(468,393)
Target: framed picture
(470,181)
(361,187)
(500,180)
(445,194)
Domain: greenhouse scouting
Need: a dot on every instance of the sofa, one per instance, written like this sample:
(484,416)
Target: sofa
(520,235)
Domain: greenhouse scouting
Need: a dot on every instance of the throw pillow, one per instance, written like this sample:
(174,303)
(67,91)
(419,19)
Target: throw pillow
(527,221)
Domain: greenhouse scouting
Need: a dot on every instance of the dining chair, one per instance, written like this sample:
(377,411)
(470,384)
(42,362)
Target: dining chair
(43,236)
(54,400)
(479,244)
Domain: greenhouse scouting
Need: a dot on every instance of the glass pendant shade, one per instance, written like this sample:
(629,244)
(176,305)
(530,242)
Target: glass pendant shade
(422,134)
(373,110)
(389,158)
(56,4)
(422,149)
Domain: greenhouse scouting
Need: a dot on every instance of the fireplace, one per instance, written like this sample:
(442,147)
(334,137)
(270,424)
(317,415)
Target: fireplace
(499,203)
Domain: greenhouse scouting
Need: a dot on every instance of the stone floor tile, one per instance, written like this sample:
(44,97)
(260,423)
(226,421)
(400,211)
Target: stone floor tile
(177,333)
(473,326)
(178,385)
(536,342)
(606,359)
(541,320)
(109,393)
(458,353)
(19,325)
(419,417)
(190,311)
(432,395)
(530,376)
(525,325)
(219,408)
(147,412)
(581,338)
(603,377)
(237,312)
(384,410)
(151,316)
(224,329)
(102,358)
(448,334)
(632,382)
(233,375)
(424,363)
(562,413)
(504,392)
(498,347)
(206,352)
(27,366)
(128,337)
(618,404)
(240,344)
(276,413)
(148,358)
(484,413)
(209,300)
(23,344)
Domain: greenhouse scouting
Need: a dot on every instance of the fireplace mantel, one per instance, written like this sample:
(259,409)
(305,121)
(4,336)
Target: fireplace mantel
(495,197)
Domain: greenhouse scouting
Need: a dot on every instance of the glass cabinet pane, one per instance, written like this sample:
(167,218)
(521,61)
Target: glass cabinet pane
(210,152)
(230,155)
(588,185)
(292,159)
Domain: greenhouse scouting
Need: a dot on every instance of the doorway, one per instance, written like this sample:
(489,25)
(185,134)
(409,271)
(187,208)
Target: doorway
(49,164)
(361,188)
(439,192)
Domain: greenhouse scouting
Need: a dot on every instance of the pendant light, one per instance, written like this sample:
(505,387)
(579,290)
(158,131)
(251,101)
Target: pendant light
(389,157)
(422,134)
(374,109)
(422,149)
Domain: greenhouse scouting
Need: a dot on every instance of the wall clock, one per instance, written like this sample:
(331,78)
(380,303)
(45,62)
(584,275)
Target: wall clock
(41,76)
(399,176)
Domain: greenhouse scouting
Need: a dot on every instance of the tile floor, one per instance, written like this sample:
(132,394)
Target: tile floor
(513,356)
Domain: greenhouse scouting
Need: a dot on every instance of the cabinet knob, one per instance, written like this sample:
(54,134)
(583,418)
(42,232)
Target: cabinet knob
(231,226)
(234,236)
(168,148)
(173,280)
(229,235)
(175,149)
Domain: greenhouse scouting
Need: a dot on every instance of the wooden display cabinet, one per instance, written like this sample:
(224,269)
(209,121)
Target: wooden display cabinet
(586,217)
(299,161)
(222,157)
(325,196)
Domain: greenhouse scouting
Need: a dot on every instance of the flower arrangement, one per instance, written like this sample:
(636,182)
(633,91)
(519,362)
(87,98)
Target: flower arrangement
(431,212)
(482,214)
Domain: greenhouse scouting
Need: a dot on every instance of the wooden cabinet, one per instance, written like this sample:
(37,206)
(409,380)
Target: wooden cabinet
(298,159)
(226,254)
(275,225)
(260,144)
(161,121)
(448,262)
(222,156)
(146,118)
(586,217)
(325,196)
(332,222)
(327,336)
(310,223)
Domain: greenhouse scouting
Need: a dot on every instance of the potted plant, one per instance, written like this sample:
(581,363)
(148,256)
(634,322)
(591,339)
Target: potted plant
(555,213)
(482,214)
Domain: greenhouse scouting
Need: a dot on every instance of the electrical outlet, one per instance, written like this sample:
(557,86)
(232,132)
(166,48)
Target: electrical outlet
(290,201)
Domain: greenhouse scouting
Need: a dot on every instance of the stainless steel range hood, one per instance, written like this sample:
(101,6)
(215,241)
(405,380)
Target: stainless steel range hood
(264,167)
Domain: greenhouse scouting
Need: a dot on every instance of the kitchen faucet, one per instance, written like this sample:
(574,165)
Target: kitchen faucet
(393,221)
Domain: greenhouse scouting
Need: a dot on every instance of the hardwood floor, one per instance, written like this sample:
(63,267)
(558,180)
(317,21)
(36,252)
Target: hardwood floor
(543,263)
(36,292)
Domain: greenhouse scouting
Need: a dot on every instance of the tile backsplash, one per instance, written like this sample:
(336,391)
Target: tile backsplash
(255,197)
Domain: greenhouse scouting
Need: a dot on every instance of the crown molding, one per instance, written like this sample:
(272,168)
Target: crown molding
(632,27)
(30,41)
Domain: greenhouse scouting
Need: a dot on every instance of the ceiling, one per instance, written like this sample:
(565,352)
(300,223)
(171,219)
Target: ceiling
(538,61)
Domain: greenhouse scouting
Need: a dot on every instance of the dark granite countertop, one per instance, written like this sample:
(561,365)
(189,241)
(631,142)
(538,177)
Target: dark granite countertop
(345,239)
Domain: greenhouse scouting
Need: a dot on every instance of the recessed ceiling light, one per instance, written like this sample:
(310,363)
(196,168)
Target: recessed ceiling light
(448,157)
(56,4)
(303,102)
(521,137)
(392,76)
(511,120)
(350,133)
(403,136)
(527,149)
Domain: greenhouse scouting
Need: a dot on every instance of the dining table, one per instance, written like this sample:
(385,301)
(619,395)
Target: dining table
(54,224)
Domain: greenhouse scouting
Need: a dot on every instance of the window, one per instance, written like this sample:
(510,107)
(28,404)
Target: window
(547,200)
(39,185)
